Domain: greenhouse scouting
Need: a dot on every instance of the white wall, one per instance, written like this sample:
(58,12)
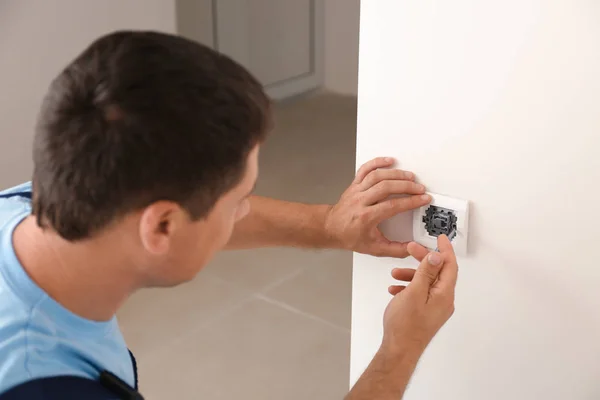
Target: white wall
(341,45)
(39,38)
(497,103)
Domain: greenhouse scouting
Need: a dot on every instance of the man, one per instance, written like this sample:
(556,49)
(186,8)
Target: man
(145,158)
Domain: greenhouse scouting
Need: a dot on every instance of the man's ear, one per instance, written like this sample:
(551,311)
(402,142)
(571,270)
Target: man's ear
(158,225)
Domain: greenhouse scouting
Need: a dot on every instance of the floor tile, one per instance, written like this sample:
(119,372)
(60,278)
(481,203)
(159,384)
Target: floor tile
(259,351)
(310,155)
(258,269)
(322,290)
(317,134)
(154,317)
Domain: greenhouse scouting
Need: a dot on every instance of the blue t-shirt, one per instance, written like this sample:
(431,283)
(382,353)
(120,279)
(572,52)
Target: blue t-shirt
(39,337)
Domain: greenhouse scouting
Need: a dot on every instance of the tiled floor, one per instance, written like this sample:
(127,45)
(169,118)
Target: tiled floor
(268,323)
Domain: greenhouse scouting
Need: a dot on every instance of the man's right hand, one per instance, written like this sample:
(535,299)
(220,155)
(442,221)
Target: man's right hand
(419,310)
(411,320)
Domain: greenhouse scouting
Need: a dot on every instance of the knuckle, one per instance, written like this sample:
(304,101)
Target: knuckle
(413,186)
(385,186)
(374,163)
(406,187)
(415,201)
(368,179)
(373,191)
(400,174)
(403,254)
(360,173)
(398,204)
(429,274)
(364,216)
(357,199)
(403,187)
(377,252)
(389,205)
(376,175)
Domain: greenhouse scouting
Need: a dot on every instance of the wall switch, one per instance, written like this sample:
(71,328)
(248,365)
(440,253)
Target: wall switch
(444,215)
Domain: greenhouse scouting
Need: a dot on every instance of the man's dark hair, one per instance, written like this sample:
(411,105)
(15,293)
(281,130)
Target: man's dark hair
(140,117)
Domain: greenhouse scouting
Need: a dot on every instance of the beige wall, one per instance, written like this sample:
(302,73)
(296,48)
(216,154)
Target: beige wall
(37,39)
(341,45)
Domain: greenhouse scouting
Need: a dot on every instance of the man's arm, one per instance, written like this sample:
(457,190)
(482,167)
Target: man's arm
(411,320)
(350,224)
(386,377)
(282,223)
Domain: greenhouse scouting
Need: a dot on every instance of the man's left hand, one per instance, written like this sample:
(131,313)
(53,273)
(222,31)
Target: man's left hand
(370,199)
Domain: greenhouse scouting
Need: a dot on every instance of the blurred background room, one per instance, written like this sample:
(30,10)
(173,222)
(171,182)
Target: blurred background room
(260,324)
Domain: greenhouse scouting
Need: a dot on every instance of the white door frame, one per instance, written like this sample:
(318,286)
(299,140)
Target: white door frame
(235,45)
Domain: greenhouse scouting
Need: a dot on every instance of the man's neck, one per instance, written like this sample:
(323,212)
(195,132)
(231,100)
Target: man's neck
(89,278)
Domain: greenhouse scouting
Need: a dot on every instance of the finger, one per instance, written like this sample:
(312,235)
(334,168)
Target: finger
(389,249)
(403,274)
(445,246)
(366,168)
(417,251)
(428,272)
(395,289)
(378,175)
(391,207)
(449,273)
(385,189)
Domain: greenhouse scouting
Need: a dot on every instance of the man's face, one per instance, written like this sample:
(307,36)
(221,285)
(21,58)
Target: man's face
(193,244)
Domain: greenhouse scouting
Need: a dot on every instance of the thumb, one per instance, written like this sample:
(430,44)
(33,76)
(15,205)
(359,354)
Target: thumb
(428,271)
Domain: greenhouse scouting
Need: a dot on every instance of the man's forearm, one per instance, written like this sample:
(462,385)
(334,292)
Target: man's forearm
(386,378)
(280,223)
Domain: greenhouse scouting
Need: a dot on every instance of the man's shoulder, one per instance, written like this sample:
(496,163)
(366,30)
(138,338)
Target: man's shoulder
(35,342)
(13,202)
(13,343)
(33,347)
(14,206)
(19,363)
(12,310)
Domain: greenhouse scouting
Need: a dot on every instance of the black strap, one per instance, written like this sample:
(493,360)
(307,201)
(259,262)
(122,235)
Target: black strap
(108,387)
(135,371)
(118,386)
(68,388)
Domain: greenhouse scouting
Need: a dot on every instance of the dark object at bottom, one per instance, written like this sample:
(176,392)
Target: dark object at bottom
(108,387)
